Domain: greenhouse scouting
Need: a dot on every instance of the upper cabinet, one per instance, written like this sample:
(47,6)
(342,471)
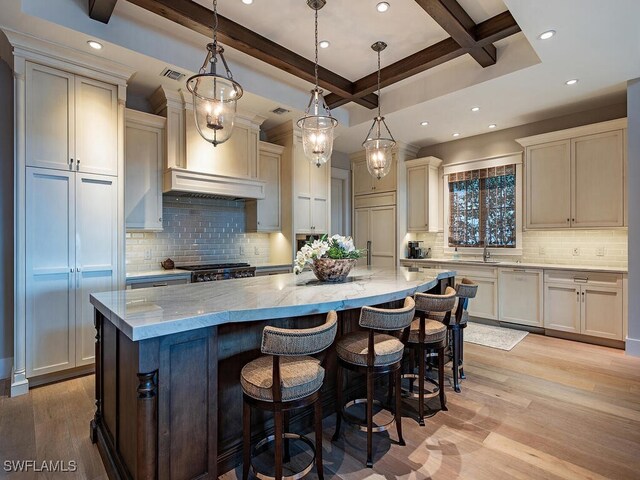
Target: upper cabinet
(364,183)
(144,157)
(71,122)
(576,178)
(422,194)
(264,215)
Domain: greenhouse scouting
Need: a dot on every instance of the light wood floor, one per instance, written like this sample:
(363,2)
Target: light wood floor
(549,409)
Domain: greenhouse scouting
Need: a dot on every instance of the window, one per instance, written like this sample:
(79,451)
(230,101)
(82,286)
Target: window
(482,206)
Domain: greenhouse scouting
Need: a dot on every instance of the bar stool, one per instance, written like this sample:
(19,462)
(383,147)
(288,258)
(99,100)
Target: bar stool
(465,290)
(287,378)
(372,353)
(428,335)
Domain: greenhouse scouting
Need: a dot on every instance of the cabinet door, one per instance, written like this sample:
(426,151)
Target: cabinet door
(49,118)
(143,155)
(382,233)
(96,127)
(602,312)
(362,180)
(388,183)
(598,180)
(319,216)
(417,194)
(50,271)
(361,220)
(548,185)
(320,178)
(562,307)
(269,207)
(485,303)
(521,295)
(96,253)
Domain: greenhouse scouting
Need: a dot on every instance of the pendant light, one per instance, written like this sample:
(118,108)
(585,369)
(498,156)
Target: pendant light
(214,96)
(379,143)
(317,124)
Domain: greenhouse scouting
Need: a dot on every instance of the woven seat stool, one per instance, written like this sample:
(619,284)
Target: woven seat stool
(465,290)
(287,378)
(428,338)
(373,352)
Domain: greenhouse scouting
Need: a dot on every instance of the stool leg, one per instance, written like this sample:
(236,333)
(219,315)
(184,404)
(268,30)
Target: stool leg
(421,374)
(246,446)
(443,405)
(317,407)
(456,338)
(412,367)
(462,375)
(398,375)
(390,391)
(339,403)
(287,450)
(369,417)
(278,421)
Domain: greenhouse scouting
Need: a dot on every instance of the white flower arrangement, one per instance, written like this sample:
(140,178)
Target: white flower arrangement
(337,247)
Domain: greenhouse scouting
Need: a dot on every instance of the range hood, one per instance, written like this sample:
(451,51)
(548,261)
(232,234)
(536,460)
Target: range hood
(200,184)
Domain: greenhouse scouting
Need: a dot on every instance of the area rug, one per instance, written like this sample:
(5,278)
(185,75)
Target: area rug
(494,337)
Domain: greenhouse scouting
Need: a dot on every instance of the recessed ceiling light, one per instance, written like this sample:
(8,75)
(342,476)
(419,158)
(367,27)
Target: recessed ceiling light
(383,7)
(324,44)
(547,35)
(456,134)
(247,2)
(493,125)
(573,81)
(424,124)
(95,45)
(475,109)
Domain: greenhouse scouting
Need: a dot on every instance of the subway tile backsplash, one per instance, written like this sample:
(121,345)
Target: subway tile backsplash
(197,230)
(594,247)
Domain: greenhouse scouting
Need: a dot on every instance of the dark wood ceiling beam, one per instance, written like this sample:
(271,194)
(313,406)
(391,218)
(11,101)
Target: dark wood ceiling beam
(496,28)
(101,10)
(200,19)
(456,22)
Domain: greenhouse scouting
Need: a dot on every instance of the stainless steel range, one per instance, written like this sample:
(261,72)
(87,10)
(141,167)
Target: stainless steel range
(219,271)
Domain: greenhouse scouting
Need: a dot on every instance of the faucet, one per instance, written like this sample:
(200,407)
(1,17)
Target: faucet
(486,254)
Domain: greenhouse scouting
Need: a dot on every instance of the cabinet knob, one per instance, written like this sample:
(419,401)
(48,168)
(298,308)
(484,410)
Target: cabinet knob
(573,219)
(568,220)
(77,163)
(160,219)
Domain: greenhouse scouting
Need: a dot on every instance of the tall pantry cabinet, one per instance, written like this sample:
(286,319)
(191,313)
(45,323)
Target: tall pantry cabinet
(69,227)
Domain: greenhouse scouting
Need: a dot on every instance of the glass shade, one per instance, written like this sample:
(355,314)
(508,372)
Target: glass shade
(214,106)
(379,153)
(317,138)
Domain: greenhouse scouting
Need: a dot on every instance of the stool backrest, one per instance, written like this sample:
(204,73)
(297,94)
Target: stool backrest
(432,303)
(465,290)
(388,319)
(290,342)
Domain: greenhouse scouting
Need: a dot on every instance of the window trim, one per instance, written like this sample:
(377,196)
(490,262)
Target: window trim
(510,159)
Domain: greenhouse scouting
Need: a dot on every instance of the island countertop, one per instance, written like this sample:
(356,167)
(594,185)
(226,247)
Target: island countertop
(154,312)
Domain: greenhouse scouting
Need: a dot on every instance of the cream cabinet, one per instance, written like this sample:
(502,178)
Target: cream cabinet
(364,183)
(71,253)
(71,122)
(485,303)
(374,226)
(584,302)
(576,178)
(422,194)
(521,296)
(311,193)
(144,157)
(264,215)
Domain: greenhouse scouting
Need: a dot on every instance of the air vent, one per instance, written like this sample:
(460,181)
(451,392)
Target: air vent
(172,74)
(280,111)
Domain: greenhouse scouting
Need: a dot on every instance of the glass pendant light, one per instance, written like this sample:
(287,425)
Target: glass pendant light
(379,143)
(214,96)
(317,124)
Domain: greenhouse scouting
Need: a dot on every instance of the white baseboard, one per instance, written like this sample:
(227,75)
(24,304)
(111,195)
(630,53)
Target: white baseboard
(632,347)
(5,367)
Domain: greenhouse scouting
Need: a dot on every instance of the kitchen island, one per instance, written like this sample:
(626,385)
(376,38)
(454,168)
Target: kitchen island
(168,361)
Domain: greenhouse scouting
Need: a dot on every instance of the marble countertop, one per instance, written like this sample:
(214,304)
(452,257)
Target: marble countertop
(153,312)
(267,266)
(508,264)
(176,272)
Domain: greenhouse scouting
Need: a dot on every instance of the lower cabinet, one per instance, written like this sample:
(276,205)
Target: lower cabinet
(521,296)
(485,303)
(584,302)
(374,228)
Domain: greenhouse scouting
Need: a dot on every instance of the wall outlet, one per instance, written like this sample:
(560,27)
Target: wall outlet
(147,254)
(600,251)
(542,251)
(242,251)
(256,250)
(576,251)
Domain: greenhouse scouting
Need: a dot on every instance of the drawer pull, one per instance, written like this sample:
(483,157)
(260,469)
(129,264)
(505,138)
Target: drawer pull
(581,279)
(519,270)
(163,284)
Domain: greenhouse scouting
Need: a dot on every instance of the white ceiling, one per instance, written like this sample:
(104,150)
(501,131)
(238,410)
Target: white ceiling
(596,43)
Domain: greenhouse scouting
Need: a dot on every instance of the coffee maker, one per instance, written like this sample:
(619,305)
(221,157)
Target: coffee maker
(415,251)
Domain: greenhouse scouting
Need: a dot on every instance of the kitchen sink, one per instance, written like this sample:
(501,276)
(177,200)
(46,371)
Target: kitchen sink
(490,262)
